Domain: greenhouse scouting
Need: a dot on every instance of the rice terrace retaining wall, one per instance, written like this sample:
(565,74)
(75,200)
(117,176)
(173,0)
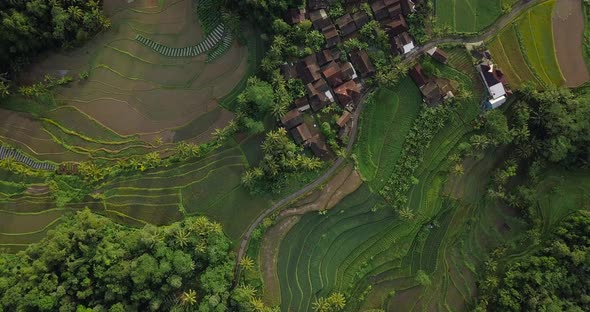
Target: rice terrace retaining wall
(8,152)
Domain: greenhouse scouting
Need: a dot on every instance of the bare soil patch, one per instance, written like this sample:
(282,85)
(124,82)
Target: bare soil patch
(568,34)
(343,183)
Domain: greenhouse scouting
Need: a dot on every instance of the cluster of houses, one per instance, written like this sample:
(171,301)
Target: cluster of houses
(330,78)
(435,90)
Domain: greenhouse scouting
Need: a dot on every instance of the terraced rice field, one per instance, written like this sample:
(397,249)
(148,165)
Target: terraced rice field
(131,89)
(208,186)
(467,16)
(135,101)
(365,250)
(525,50)
(386,120)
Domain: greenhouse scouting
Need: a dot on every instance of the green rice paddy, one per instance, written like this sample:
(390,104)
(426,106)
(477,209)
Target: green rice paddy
(467,16)
(525,49)
(386,120)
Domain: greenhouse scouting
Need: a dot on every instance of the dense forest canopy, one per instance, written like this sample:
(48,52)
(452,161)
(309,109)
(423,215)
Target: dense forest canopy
(30,27)
(556,278)
(89,262)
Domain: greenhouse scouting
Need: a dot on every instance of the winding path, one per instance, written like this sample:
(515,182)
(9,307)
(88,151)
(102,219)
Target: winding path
(490,31)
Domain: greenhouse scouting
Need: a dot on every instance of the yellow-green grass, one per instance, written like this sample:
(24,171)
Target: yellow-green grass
(386,120)
(506,52)
(74,120)
(536,33)
(525,50)
(562,192)
(467,16)
(91,148)
(208,186)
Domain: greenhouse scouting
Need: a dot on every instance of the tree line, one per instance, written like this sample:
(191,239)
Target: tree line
(28,28)
(89,263)
(554,278)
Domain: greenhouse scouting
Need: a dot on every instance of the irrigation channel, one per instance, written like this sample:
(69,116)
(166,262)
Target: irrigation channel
(408,58)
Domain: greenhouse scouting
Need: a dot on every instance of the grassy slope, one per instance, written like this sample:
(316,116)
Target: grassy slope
(385,123)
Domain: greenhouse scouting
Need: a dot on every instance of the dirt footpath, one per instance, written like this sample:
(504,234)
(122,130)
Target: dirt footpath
(343,183)
(568,35)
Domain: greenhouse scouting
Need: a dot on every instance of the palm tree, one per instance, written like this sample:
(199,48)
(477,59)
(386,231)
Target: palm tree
(248,291)
(257,304)
(406,213)
(337,301)
(320,305)
(219,134)
(278,110)
(458,169)
(279,41)
(181,237)
(248,178)
(4,89)
(247,263)
(188,298)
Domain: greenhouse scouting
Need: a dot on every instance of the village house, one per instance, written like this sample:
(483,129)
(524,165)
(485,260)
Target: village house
(295,16)
(302,104)
(317,4)
(300,134)
(344,118)
(308,69)
(292,119)
(346,25)
(324,57)
(390,13)
(333,74)
(362,63)
(438,54)
(403,43)
(318,147)
(493,79)
(360,18)
(396,26)
(434,90)
(331,35)
(319,19)
(348,95)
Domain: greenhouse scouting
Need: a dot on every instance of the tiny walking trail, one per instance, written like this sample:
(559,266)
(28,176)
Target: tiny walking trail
(490,31)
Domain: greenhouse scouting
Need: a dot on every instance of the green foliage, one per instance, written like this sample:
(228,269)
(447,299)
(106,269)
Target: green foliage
(496,125)
(89,262)
(281,156)
(553,125)
(555,278)
(67,189)
(426,126)
(30,27)
(423,279)
(257,98)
